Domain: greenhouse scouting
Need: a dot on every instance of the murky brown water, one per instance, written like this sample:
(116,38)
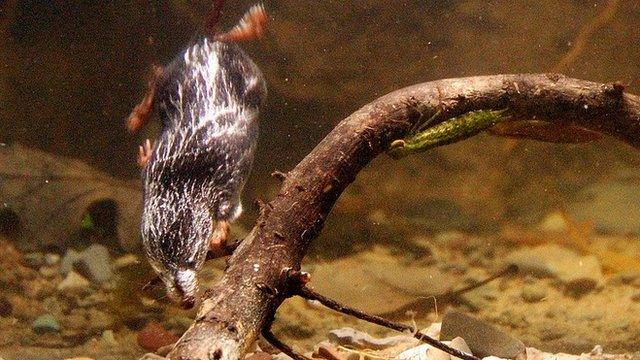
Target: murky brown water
(72,71)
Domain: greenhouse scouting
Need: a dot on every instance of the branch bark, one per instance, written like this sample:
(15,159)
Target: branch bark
(253,286)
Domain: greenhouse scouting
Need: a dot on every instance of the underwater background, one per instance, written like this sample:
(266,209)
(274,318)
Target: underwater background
(404,233)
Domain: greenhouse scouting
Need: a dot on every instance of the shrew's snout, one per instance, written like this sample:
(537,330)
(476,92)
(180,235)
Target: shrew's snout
(185,288)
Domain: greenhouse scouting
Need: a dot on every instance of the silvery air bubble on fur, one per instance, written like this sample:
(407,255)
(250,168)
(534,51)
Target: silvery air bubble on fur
(208,100)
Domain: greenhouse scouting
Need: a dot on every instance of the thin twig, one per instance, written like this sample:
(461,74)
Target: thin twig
(268,335)
(310,294)
(511,269)
(580,42)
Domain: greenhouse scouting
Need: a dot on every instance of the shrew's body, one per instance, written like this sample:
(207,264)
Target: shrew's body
(208,100)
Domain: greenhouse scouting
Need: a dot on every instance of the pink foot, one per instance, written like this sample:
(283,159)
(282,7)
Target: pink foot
(141,114)
(219,237)
(144,153)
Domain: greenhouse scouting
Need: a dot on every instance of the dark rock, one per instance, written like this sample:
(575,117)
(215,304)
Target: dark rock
(482,338)
(34,260)
(625,278)
(6,308)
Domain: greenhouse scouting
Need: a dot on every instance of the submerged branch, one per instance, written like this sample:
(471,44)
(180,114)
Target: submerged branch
(239,306)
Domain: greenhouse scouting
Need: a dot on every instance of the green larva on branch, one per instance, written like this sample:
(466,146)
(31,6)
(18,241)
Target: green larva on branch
(447,132)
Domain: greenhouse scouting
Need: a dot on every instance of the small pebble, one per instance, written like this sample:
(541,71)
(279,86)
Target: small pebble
(34,260)
(554,222)
(48,272)
(69,258)
(74,282)
(125,260)
(45,323)
(329,352)
(51,259)
(154,336)
(109,338)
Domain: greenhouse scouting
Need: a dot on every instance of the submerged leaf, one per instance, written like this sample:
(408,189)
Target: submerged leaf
(545,131)
(52,196)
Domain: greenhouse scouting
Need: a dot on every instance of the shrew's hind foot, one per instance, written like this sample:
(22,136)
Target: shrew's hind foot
(250,27)
(144,153)
(219,238)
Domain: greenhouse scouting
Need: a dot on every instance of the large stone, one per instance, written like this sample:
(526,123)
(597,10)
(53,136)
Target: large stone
(613,206)
(482,338)
(579,274)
